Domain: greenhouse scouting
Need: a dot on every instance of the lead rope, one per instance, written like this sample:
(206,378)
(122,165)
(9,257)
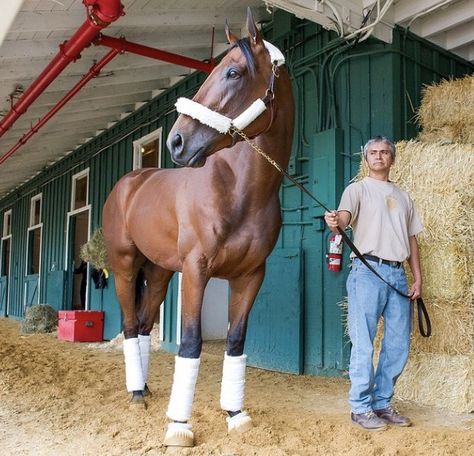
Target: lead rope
(424,322)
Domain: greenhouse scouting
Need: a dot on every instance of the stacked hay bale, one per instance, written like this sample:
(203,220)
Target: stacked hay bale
(446,112)
(439,176)
(440,179)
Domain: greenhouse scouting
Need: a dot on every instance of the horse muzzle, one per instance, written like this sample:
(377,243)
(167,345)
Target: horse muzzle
(183,156)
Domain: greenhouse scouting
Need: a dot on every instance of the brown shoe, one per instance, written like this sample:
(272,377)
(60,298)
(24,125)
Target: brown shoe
(391,416)
(368,421)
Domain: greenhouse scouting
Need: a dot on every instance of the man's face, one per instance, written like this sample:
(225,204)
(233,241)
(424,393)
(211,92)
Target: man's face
(379,157)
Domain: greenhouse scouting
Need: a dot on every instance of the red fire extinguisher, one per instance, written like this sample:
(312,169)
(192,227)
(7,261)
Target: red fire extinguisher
(335,253)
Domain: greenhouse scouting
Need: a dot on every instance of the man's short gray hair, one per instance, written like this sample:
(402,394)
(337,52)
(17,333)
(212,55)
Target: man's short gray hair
(377,139)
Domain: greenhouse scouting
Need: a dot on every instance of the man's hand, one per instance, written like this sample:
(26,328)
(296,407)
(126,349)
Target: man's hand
(415,290)
(332,219)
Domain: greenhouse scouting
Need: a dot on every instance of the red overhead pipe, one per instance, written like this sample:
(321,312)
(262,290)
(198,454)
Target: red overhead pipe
(123,45)
(92,73)
(100,13)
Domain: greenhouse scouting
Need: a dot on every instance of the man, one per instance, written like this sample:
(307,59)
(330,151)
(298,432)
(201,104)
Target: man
(385,224)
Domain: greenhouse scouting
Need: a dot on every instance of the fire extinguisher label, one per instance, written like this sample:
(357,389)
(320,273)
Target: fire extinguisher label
(335,245)
(334,261)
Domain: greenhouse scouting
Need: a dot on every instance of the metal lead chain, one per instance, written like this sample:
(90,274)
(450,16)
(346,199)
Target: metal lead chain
(277,166)
(258,150)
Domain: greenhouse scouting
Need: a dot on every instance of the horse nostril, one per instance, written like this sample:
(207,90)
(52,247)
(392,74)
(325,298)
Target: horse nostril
(177,143)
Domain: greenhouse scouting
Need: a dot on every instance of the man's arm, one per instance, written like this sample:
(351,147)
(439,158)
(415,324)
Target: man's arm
(414,261)
(336,219)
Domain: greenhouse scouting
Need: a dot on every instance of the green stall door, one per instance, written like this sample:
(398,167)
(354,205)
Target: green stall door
(105,299)
(275,330)
(3,295)
(31,290)
(55,283)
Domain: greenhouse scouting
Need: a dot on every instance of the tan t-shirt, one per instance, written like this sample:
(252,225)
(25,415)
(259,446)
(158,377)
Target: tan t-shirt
(383,217)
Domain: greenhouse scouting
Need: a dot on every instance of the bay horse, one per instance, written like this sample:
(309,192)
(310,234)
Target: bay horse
(218,216)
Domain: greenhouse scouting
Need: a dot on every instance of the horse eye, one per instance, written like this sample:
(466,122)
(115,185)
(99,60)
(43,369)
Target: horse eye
(233,74)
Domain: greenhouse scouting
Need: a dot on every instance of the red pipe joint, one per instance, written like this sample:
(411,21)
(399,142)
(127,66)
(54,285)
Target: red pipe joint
(106,11)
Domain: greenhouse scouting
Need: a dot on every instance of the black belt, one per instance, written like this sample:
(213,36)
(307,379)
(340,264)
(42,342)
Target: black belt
(393,264)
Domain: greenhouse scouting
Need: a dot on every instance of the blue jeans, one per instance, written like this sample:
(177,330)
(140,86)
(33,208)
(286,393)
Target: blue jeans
(369,299)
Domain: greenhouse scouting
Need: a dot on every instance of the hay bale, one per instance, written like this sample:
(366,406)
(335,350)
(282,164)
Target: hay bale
(439,380)
(447,270)
(446,111)
(40,318)
(448,134)
(440,179)
(452,329)
(94,252)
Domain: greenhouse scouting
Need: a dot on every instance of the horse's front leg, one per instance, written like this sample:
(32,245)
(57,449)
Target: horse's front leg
(243,292)
(179,432)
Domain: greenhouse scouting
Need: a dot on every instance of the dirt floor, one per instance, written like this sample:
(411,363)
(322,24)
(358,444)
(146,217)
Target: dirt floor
(62,398)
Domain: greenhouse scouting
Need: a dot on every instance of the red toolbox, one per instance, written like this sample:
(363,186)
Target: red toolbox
(81,325)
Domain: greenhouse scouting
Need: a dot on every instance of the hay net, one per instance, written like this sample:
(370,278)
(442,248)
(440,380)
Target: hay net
(94,251)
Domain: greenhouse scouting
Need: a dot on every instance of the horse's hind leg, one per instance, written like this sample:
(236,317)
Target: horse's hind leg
(243,292)
(126,262)
(154,291)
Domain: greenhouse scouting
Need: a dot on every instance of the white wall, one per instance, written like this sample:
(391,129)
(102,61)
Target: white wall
(215,310)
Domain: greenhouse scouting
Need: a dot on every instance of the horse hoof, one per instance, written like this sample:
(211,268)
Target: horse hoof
(239,423)
(137,400)
(146,391)
(179,435)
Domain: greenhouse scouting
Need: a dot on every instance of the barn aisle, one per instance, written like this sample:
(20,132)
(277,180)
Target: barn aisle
(60,398)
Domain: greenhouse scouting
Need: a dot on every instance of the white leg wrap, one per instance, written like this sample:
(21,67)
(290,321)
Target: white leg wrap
(182,394)
(144,342)
(133,365)
(233,382)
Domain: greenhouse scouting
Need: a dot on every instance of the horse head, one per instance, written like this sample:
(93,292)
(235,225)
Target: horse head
(235,94)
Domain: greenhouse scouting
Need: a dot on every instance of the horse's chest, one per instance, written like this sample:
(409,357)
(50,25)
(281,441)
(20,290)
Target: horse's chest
(242,251)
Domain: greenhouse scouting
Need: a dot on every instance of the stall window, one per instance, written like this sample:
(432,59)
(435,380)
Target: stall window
(34,236)
(6,241)
(7,223)
(147,151)
(80,190)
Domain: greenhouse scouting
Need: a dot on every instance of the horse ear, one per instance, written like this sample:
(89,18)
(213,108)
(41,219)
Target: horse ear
(254,33)
(231,38)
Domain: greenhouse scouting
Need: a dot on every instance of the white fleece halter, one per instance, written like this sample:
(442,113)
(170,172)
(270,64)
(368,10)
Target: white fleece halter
(220,122)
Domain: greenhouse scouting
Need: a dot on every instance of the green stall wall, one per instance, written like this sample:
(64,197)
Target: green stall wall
(344,95)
